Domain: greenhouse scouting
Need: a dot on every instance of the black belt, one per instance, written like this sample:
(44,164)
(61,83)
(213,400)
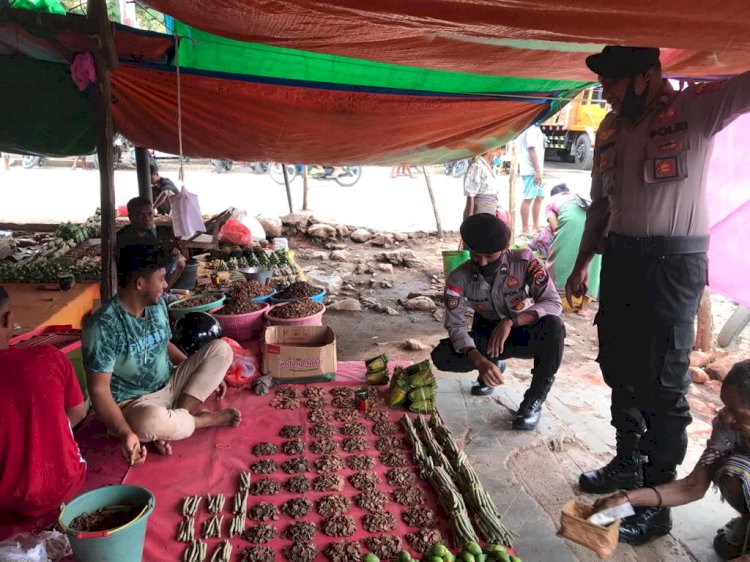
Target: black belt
(656,245)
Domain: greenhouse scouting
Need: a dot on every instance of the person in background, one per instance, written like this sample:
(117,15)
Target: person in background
(82,159)
(570,219)
(531,169)
(140,232)
(162,189)
(142,387)
(41,401)
(401,170)
(516,314)
(481,187)
(725,462)
(542,241)
(6,160)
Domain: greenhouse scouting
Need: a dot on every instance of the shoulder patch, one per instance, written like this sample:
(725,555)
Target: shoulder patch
(451,302)
(537,273)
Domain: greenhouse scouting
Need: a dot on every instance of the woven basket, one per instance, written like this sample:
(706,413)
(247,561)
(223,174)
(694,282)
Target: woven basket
(574,527)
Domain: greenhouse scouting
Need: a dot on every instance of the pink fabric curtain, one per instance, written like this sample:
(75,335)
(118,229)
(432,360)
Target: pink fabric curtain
(728,198)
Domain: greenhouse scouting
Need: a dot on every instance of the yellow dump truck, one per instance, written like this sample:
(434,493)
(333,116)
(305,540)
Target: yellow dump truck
(571,131)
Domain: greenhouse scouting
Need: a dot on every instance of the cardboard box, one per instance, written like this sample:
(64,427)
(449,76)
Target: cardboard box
(299,353)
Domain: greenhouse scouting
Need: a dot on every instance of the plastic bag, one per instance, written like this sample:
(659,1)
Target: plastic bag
(245,366)
(234,232)
(186,214)
(35,547)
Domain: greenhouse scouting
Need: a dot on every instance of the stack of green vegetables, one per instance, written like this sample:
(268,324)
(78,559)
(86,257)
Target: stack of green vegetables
(414,386)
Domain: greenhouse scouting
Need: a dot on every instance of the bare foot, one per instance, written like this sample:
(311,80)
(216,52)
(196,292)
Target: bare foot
(230,417)
(163,447)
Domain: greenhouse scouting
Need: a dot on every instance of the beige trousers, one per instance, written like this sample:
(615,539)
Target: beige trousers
(153,417)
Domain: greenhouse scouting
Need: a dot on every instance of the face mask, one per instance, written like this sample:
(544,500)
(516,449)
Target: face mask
(490,268)
(633,105)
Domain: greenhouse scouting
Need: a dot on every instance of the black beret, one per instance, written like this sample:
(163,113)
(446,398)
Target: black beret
(622,62)
(484,233)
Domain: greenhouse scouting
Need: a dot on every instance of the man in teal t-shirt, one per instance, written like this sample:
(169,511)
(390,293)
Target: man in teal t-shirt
(135,388)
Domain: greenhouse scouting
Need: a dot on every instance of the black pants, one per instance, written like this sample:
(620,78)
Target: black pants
(543,342)
(645,324)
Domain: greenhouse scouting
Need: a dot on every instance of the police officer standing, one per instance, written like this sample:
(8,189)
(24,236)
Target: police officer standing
(516,314)
(649,219)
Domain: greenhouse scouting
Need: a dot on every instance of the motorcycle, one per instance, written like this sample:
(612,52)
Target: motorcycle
(222,166)
(457,168)
(345,176)
(120,148)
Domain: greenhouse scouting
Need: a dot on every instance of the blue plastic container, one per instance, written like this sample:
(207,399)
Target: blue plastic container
(317,298)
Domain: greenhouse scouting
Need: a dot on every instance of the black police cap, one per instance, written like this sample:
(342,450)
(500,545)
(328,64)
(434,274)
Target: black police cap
(484,233)
(622,62)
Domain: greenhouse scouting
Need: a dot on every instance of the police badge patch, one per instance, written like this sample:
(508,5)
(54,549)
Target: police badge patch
(451,302)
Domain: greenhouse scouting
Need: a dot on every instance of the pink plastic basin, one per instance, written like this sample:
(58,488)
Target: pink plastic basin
(314,320)
(242,327)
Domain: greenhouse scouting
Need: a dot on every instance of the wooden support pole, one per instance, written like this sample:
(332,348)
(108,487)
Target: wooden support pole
(304,188)
(106,60)
(432,200)
(704,335)
(512,191)
(288,189)
(143,170)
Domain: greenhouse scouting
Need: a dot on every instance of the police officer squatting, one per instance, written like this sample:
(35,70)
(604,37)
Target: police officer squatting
(516,314)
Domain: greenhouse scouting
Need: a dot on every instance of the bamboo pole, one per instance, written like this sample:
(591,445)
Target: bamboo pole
(304,188)
(106,60)
(432,200)
(288,189)
(512,191)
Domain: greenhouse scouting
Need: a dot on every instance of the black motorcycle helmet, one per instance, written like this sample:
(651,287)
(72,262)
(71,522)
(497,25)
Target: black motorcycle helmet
(195,329)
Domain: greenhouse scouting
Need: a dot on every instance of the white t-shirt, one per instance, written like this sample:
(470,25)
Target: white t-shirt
(533,137)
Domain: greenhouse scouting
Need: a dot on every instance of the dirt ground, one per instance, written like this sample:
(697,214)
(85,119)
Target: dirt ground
(529,474)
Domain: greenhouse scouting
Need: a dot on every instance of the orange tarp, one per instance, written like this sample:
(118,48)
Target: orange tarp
(536,38)
(244,120)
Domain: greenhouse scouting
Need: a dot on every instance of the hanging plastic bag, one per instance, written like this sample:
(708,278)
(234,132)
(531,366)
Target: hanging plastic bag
(245,365)
(186,214)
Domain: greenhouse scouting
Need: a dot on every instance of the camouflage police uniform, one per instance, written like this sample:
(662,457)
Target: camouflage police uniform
(650,220)
(520,284)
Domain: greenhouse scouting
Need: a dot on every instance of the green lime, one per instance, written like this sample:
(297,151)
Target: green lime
(439,550)
(473,548)
(467,557)
(515,559)
(435,559)
(404,556)
(449,557)
(370,557)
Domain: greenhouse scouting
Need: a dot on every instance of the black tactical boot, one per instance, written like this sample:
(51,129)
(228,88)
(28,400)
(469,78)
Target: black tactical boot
(480,389)
(624,472)
(646,524)
(530,410)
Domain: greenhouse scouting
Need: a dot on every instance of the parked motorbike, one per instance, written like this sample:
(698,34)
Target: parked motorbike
(222,166)
(342,175)
(457,168)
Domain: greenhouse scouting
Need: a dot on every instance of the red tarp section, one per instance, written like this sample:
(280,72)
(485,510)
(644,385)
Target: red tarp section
(500,37)
(243,120)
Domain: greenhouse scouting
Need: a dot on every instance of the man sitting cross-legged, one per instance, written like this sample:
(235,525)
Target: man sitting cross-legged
(141,385)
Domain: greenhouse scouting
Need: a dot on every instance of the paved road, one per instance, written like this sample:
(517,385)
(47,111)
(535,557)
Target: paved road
(56,193)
